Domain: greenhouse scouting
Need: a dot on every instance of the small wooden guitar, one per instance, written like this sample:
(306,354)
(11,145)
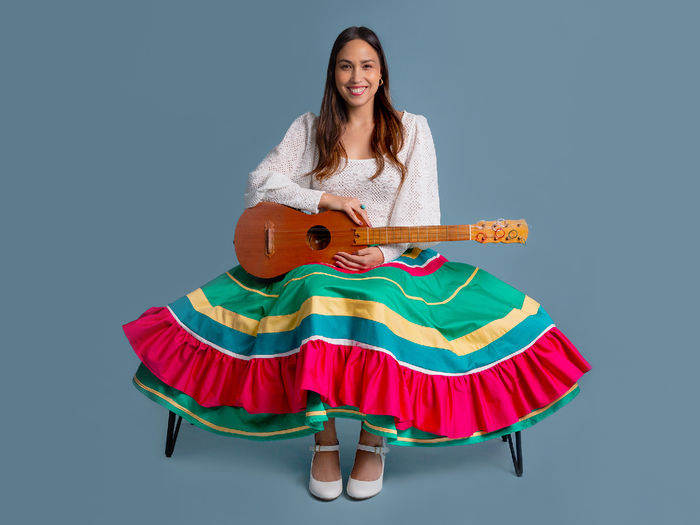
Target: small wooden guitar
(272,239)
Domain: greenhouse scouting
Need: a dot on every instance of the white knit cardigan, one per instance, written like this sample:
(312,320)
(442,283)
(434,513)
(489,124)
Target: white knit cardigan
(280,178)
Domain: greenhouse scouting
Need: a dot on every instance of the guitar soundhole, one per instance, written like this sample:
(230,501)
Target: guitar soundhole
(318,237)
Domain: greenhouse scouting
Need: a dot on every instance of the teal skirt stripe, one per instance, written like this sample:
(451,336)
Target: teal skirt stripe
(237,422)
(364,331)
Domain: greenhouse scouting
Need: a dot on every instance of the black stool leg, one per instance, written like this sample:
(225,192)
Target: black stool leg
(516,454)
(171,436)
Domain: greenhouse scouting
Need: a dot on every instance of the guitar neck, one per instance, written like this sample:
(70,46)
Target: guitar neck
(502,231)
(414,234)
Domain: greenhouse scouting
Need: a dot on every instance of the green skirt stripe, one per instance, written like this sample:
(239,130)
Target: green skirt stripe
(483,300)
(236,421)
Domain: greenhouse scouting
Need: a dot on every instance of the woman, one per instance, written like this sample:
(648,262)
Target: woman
(423,351)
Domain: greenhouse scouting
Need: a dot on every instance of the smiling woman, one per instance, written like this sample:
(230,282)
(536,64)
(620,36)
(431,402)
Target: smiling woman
(421,350)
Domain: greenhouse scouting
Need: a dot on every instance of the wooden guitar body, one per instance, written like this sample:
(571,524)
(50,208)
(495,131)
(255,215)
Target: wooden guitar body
(272,239)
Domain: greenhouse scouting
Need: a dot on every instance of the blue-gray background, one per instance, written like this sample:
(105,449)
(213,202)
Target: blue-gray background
(127,130)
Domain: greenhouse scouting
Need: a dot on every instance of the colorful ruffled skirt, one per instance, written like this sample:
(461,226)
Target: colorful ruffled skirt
(422,350)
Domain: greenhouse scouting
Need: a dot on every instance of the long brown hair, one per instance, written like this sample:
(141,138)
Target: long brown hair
(387,137)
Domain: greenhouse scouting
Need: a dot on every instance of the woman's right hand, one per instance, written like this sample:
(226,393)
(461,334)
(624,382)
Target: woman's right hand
(350,205)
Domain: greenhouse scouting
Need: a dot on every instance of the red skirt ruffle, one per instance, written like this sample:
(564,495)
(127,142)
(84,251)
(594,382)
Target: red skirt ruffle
(449,405)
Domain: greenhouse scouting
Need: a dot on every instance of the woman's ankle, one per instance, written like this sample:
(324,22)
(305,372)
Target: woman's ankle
(326,442)
(328,435)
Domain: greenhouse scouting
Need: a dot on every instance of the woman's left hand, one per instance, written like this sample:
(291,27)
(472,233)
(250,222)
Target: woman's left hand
(360,260)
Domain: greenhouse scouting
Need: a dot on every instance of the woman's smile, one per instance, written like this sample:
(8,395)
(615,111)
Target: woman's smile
(358,91)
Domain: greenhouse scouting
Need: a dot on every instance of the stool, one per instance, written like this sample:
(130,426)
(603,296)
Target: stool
(173,430)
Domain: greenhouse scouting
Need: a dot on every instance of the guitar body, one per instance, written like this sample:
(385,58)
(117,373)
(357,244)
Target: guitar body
(272,239)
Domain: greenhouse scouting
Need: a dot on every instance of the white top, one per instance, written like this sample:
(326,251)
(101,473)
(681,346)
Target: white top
(280,178)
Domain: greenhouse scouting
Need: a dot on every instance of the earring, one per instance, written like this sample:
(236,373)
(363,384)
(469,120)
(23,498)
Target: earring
(381,81)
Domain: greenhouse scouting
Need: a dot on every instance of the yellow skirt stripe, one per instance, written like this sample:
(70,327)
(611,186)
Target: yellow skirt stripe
(379,277)
(212,425)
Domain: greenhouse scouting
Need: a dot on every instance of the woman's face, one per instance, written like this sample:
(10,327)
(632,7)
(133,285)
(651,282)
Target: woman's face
(357,73)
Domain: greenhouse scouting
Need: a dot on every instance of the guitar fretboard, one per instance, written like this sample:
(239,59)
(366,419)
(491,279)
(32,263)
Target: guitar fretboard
(413,234)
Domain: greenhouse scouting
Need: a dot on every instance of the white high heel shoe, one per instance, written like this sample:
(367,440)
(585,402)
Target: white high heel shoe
(366,489)
(327,490)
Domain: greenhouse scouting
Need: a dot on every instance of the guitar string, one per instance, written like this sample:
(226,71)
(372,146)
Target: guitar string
(394,233)
(398,234)
(387,229)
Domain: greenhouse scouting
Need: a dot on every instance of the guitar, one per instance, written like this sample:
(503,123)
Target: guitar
(272,239)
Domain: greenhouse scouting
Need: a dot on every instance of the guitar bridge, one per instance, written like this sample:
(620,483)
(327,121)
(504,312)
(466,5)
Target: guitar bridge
(269,239)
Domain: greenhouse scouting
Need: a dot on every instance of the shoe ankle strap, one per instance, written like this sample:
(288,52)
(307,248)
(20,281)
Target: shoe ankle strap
(377,450)
(324,448)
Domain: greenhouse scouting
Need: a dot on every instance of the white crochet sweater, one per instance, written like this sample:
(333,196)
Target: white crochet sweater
(280,178)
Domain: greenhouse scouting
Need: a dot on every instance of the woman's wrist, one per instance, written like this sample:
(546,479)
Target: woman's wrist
(380,254)
(329,202)
(350,205)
